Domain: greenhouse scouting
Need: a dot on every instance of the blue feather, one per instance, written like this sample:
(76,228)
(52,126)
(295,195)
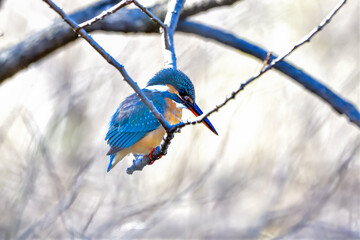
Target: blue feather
(135,138)
(133,120)
(120,142)
(115,138)
(112,156)
(111,133)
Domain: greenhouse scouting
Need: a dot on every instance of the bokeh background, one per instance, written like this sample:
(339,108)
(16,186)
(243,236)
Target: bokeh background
(285,165)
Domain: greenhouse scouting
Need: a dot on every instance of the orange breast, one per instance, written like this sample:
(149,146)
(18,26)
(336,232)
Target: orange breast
(149,142)
(174,114)
(153,139)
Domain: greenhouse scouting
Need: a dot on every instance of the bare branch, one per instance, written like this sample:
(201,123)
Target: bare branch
(121,69)
(150,14)
(40,44)
(112,61)
(139,163)
(308,37)
(105,13)
(203,5)
(171,20)
(340,105)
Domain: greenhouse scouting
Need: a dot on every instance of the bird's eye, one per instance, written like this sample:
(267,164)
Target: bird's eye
(185,97)
(188,99)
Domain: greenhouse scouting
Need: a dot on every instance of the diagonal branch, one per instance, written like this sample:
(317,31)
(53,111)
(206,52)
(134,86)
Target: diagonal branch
(141,161)
(112,61)
(105,13)
(277,63)
(150,14)
(46,41)
(339,104)
(168,34)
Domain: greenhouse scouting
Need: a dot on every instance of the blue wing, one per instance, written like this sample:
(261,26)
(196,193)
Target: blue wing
(133,120)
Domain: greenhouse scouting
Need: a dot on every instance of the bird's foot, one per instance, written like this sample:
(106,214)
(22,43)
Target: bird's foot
(152,160)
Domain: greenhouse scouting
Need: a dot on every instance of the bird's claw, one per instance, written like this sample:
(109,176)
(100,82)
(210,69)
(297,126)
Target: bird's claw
(152,160)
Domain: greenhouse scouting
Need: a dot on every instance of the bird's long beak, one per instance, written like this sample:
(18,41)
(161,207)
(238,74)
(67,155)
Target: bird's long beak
(197,112)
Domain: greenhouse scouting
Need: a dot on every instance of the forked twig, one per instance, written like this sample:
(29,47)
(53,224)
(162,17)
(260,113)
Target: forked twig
(57,35)
(172,19)
(339,104)
(305,39)
(112,61)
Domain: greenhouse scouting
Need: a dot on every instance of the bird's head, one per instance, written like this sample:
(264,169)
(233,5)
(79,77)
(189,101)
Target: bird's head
(175,81)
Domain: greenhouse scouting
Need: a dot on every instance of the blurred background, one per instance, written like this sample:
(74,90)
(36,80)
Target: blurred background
(285,164)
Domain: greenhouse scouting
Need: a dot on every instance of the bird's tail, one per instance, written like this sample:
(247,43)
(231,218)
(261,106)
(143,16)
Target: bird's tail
(115,158)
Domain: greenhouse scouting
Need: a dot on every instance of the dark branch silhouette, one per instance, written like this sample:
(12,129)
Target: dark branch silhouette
(42,43)
(300,177)
(58,34)
(150,23)
(111,61)
(339,104)
(109,11)
(169,56)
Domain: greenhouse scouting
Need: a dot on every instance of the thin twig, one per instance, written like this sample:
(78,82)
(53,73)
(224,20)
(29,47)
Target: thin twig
(338,103)
(308,37)
(172,24)
(112,61)
(150,14)
(273,63)
(42,43)
(102,15)
(171,20)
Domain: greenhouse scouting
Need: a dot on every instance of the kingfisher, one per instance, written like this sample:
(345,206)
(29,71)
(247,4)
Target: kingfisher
(134,129)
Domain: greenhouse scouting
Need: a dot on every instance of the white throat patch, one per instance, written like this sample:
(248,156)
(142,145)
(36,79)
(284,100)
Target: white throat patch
(179,105)
(160,88)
